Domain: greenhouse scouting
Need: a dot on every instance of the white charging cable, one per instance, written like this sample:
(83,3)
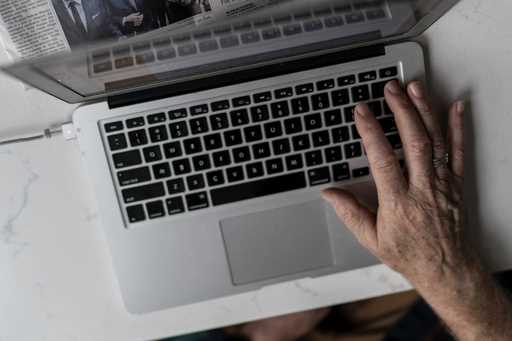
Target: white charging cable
(67,130)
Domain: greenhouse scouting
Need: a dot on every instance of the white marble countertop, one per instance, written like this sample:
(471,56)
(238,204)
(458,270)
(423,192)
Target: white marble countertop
(57,280)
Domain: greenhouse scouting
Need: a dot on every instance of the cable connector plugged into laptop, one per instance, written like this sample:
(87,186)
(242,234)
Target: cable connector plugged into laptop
(66,129)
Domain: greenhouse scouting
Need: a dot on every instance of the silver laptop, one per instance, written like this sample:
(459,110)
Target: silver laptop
(208,146)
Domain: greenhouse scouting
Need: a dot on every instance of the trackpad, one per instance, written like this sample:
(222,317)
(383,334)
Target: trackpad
(275,243)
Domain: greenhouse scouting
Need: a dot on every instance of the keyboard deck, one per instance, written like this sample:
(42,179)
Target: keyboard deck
(245,146)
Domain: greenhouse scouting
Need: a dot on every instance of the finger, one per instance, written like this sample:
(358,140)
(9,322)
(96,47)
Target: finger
(456,138)
(417,145)
(384,164)
(358,219)
(418,96)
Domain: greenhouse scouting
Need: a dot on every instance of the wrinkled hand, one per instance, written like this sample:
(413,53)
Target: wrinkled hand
(135,18)
(418,228)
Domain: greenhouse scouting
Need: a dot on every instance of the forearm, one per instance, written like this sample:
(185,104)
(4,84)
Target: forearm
(472,305)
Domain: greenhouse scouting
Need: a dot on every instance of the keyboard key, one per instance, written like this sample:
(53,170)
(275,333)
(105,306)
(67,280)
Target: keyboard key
(300,105)
(221,159)
(271,33)
(378,89)
(239,117)
(261,150)
(233,137)
(260,188)
(229,41)
(197,201)
(127,159)
(360,93)
(181,166)
(355,17)
(353,150)
(157,118)
(340,97)
(262,97)
(155,209)
(158,134)
(260,113)
(199,110)
(255,170)
(281,146)
(166,54)
(341,172)
(360,172)
(274,166)
(319,176)
(195,182)
(304,89)
(334,21)
(241,154)
(213,141)
(201,162)
(325,84)
(388,72)
(293,125)
(114,126)
(314,158)
(145,58)
(133,176)
(333,154)
(117,142)
(321,138)
(388,124)
(376,108)
(177,114)
(320,101)
(145,192)
(135,122)
(250,37)
(340,135)
(215,178)
(235,174)
(395,141)
(220,105)
(135,213)
(138,137)
(253,134)
(152,154)
(208,45)
(193,146)
(292,29)
(300,142)
(294,162)
(178,129)
(280,109)
(283,93)
(333,118)
(199,125)
(313,121)
(367,76)
(162,170)
(349,114)
(219,121)
(175,205)
(387,109)
(241,101)
(273,129)
(176,186)
(355,133)
(347,80)
(172,150)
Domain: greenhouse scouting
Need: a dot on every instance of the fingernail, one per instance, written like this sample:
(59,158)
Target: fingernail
(328,196)
(417,89)
(460,106)
(393,88)
(360,111)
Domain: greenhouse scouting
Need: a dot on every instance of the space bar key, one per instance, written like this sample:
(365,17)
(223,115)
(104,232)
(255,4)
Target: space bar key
(256,189)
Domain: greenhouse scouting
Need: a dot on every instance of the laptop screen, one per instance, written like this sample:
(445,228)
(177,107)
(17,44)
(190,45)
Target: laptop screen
(114,51)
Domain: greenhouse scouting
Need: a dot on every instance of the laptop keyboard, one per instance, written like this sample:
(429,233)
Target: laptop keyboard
(241,147)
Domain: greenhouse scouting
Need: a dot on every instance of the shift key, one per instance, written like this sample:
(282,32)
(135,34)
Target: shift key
(141,193)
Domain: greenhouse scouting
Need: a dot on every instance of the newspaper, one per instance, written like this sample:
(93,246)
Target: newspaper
(35,28)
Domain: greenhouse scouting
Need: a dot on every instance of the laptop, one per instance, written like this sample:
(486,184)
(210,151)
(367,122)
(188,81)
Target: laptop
(208,146)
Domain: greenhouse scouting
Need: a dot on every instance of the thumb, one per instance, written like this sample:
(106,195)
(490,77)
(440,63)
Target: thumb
(358,218)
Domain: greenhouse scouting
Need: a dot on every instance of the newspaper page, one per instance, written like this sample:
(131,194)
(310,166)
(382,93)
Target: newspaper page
(35,28)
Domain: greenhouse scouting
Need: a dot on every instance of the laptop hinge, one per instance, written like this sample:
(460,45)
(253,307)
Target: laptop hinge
(251,74)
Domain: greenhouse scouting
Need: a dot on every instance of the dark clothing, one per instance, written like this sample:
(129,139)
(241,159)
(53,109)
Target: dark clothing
(97,24)
(177,12)
(123,8)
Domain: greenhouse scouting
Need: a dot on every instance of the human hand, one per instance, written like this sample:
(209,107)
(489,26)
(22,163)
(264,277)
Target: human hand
(135,18)
(418,229)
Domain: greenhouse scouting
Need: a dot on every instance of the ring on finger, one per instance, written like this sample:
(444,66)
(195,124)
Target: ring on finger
(442,161)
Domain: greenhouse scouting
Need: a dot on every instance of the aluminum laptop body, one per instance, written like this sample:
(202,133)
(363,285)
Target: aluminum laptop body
(204,238)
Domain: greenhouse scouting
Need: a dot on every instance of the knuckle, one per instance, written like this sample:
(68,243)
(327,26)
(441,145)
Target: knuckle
(420,146)
(384,164)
